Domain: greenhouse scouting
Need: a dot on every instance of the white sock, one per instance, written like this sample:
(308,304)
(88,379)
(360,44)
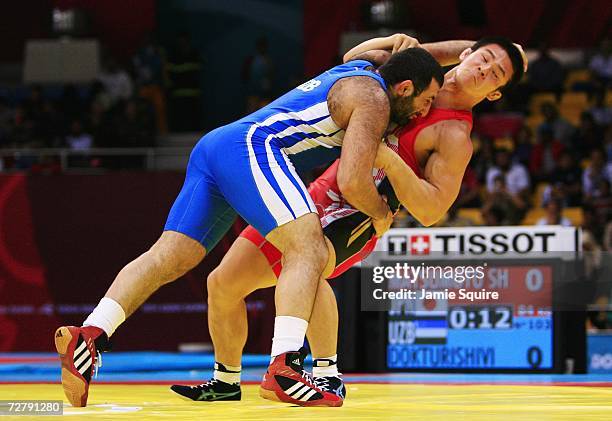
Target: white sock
(289,333)
(325,367)
(107,315)
(227,373)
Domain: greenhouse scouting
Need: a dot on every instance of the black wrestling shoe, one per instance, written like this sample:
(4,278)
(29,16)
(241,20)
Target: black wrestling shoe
(332,384)
(212,390)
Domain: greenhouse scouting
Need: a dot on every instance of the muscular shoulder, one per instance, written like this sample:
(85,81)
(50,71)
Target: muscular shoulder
(356,92)
(451,139)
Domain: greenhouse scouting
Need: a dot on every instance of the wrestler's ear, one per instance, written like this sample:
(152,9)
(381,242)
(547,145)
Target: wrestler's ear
(494,96)
(405,88)
(465,53)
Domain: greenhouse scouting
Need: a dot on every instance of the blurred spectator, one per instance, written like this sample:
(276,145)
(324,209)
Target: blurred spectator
(404,220)
(598,319)
(592,252)
(600,112)
(492,216)
(596,171)
(508,207)
(553,215)
(50,127)
(257,75)
(184,94)
(607,239)
(77,139)
(592,226)
(588,135)
(453,219)
(33,106)
(483,158)
(546,73)
(134,125)
(98,125)
(515,175)
(565,182)
(608,143)
(98,95)
(7,116)
(117,82)
(601,201)
(523,143)
(21,133)
(148,65)
(70,104)
(601,63)
(469,193)
(562,129)
(545,155)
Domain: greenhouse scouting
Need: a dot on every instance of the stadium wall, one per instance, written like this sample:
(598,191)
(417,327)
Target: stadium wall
(63,238)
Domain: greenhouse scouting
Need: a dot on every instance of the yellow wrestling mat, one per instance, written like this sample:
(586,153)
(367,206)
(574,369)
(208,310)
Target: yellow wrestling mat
(365,401)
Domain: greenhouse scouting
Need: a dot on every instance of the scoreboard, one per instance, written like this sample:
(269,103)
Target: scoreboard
(458,331)
(503,321)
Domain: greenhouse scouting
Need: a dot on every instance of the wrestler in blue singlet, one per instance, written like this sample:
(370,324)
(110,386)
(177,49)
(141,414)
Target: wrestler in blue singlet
(249,166)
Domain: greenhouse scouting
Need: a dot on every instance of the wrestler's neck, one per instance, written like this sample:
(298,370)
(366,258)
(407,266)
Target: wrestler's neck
(452,97)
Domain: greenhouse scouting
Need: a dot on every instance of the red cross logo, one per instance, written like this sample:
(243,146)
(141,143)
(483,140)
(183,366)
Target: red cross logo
(419,244)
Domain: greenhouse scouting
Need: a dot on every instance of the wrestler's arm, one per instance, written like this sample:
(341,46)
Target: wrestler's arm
(376,57)
(378,50)
(361,106)
(447,52)
(430,198)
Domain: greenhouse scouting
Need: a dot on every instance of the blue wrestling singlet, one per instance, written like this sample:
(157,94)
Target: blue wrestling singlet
(249,166)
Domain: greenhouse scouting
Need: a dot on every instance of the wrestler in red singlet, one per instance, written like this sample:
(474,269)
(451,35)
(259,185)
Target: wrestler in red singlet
(349,230)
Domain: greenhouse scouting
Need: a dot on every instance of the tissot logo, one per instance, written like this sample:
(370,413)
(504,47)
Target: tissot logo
(397,245)
(419,244)
(497,243)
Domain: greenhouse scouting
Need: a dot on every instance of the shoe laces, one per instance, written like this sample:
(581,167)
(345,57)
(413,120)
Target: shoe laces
(324,382)
(97,364)
(209,383)
(307,376)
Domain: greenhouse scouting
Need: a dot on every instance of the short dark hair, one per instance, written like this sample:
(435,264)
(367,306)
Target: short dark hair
(557,202)
(514,54)
(413,64)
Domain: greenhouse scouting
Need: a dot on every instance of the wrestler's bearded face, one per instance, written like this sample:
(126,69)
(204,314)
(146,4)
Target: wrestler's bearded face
(402,108)
(405,107)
